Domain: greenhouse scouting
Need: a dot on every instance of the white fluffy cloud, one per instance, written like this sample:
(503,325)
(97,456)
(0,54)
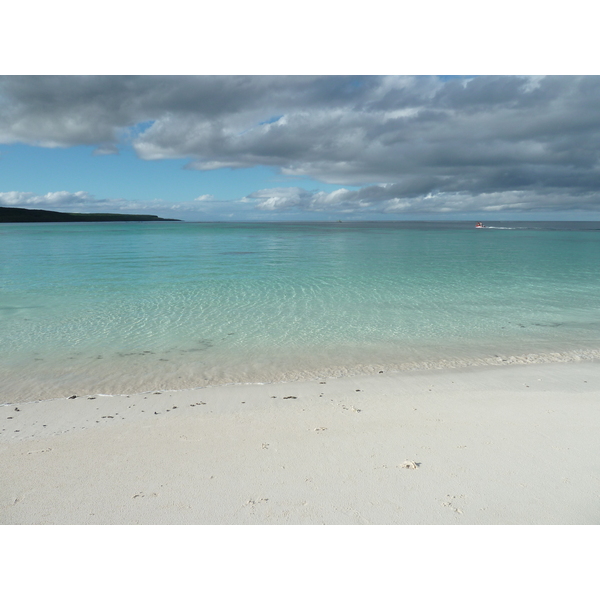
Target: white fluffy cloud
(388,199)
(86,202)
(49,200)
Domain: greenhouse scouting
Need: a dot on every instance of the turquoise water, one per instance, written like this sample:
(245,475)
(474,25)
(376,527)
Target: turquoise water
(125,307)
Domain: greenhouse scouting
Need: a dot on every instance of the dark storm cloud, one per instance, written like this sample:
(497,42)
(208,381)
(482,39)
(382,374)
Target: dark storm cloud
(412,143)
(72,110)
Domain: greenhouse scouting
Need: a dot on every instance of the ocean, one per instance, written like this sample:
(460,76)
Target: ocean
(116,308)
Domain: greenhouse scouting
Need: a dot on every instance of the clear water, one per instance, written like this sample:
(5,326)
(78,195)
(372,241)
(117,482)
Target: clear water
(124,307)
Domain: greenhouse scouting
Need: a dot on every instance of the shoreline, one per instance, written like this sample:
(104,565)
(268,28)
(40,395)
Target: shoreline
(336,372)
(516,445)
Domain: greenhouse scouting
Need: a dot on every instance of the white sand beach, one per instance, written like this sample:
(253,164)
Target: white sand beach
(513,444)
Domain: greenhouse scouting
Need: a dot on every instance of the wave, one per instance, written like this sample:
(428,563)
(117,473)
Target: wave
(331,372)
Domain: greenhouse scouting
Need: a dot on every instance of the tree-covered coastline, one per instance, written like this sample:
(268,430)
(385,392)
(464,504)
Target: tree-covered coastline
(26,215)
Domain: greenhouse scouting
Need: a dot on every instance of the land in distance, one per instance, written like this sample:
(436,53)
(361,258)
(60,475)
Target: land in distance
(26,215)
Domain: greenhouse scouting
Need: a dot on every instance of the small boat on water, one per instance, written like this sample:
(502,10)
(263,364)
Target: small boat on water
(479,225)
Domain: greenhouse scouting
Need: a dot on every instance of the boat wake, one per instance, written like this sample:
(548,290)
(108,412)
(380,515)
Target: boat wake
(492,227)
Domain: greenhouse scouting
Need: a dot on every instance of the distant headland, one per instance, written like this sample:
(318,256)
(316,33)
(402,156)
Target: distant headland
(27,215)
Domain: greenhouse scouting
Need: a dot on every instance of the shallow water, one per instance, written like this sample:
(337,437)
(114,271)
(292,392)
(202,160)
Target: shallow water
(124,307)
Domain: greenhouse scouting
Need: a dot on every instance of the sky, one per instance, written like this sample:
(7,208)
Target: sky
(257,113)
(205,148)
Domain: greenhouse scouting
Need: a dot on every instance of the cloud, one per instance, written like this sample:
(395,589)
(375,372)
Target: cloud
(282,199)
(49,200)
(392,199)
(433,142)
(61,111)
(86,202)
(74,200)
(105,149)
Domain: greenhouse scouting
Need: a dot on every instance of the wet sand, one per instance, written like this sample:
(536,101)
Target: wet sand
(490,445)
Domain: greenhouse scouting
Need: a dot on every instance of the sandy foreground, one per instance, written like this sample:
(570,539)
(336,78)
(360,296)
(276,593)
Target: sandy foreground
(494,445)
